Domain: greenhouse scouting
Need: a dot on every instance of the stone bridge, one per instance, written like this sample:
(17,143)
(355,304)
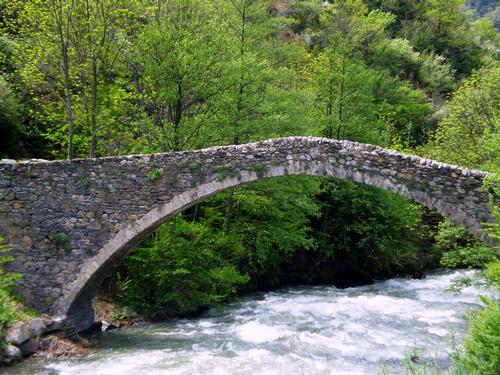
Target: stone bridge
(71,222)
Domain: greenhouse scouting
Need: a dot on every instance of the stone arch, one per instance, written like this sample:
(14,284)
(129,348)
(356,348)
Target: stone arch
(76,303)
(99,208)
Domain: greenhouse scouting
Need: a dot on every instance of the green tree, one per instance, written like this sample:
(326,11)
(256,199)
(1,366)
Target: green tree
(344,96)
(48,26)
(404,113)
(178,271)
(258,98)
(342,82)
(269,222)
(99,38)
(11,119)
(68,57)
(469,134)
(362,233)
(183,55)
(192,262)
(441,27)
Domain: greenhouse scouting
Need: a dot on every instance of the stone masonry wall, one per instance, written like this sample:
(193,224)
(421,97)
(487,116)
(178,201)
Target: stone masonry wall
(71,222)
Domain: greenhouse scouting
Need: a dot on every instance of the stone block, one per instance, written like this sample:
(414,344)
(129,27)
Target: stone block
(18,333)
(37,327)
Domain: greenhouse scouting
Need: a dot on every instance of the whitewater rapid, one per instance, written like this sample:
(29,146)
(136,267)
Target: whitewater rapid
(299,330)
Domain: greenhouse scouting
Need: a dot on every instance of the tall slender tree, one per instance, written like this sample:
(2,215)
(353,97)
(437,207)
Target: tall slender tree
(183,55)
(70,52)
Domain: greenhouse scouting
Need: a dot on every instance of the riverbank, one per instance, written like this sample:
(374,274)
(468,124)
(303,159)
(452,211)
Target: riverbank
(42,336)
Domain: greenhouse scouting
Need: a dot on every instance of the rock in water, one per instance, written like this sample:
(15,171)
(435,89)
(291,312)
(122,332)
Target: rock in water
(11,355)
(53,347)
(106,326)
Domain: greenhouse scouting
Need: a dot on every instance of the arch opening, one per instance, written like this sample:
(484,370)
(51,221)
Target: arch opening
(77,303)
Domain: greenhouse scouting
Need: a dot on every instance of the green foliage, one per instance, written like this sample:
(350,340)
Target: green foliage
(460,249)
(268,222)
(363,233)
(182,53)
(468,257)
(191,264)
(450,237)
(11,118)
(62,241)
(342,82)
(178,271)
(482,345)
(8,312)
(139,76)
(492,274)
(67,61)
(344,97)
(154,175)
(469,134)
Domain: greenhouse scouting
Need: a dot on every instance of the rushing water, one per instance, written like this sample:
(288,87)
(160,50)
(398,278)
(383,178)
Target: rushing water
(300,330)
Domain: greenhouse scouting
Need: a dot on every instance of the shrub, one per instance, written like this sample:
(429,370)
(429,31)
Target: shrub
(460,249)
(470,257)
(177,272)
(8,312)
(482,345)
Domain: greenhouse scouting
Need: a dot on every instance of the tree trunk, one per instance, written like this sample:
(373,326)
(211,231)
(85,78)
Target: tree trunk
(93,139)
(63,39)
(228,212)
(341,98)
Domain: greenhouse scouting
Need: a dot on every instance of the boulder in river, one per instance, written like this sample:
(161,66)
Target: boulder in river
(11,354)
(53,347)
(106,326)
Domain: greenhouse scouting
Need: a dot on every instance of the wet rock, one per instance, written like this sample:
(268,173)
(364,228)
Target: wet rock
(106,326)
(29,347)
(94,328)
(18,333)
(11,354)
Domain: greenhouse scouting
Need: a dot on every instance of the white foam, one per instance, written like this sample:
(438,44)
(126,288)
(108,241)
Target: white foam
(319,330)
(256,333)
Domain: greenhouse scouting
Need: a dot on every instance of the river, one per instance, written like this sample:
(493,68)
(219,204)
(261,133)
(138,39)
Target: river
(297,330)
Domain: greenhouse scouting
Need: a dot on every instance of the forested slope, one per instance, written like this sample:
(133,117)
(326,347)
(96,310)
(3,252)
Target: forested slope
(86,78)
